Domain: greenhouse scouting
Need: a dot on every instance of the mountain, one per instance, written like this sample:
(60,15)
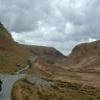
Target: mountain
(83,64)
(85,56)
(76,77)
(11,53)
(15,56)
(48,54)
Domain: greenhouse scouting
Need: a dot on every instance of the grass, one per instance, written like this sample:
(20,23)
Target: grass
(8,61)
(57,91)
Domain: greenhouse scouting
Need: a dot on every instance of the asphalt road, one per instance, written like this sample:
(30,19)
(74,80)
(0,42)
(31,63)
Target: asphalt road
(8,81)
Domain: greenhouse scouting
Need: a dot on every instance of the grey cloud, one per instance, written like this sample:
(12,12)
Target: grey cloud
(22,15)
(58,23)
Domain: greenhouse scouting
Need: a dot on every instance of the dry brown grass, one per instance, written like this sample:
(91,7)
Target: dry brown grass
(57,91)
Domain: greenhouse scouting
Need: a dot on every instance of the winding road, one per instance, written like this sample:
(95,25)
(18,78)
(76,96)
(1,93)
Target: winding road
(8,81)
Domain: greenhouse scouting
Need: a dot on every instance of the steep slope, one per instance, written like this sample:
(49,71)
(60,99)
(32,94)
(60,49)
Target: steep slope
(82,65)
(45,60)
(14,56)
(86,50)
(48,54)
(11,53)
(85,56)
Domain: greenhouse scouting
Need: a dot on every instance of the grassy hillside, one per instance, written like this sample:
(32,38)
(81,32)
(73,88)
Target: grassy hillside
(13,54)
(48,54)
(44,89)
(86,57)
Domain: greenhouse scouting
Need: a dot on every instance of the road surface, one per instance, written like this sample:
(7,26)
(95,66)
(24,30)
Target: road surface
(8,81)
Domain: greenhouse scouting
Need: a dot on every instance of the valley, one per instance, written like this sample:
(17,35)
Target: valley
(31,72)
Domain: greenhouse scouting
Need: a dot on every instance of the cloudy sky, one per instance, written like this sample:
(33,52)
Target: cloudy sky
(58,23)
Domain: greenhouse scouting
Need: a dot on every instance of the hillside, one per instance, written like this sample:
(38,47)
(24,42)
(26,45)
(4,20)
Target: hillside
(75,77)
(83,65)
(78,77)
(48,54)
(85,56)
(35,88)
(14,56)
(11,53)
